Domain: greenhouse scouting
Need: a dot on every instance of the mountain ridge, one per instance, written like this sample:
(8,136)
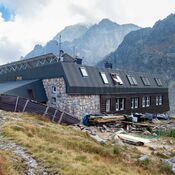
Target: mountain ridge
(92,43)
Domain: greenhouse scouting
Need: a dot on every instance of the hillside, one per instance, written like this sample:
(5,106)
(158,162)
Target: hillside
(45,148)
(148,49)
(92,43)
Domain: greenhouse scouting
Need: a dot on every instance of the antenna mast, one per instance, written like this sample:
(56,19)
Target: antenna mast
(60,50)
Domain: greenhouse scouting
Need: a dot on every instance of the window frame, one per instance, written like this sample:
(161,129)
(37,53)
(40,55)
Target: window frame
(134,102)
(146,81)
(116,78)
(159,100)
(108,105)
(104,77)
(132,80)
(54,91)
(120,104)
(53,101)
(158,81)
(146,101)
(83,72)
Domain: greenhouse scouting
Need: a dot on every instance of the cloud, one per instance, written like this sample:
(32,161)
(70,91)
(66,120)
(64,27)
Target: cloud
(9,51)
(38,21)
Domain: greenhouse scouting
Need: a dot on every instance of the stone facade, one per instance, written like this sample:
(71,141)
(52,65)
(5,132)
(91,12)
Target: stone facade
(77,105)
(172,96)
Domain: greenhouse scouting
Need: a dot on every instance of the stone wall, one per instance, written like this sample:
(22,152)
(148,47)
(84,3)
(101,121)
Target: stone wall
(78,105)
(172,96)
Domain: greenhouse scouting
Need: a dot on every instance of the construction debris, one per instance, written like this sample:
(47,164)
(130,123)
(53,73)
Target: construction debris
(132,139)
(141,131)
(135,129)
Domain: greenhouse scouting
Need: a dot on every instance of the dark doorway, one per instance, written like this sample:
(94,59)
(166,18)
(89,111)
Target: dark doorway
(30,94)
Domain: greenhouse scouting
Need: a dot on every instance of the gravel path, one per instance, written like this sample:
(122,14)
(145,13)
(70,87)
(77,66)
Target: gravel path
(32,166)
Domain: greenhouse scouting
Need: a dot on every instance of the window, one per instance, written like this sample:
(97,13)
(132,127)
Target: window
(132,80)
(53,100)
(108,105)
(158,81)
(83,72)
(146,81)
(54,89)
(159,100)
(145,101)
(116,78)
(134,103)
(104,78)
(19,77)
(120,104)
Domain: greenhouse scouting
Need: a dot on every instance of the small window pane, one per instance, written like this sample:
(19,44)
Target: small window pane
(54,89)
(160,100)
(53,100)
(108,104)
(147,101)
(132,80)
(83,72)
(117,104)
(158,81)
(143,101)
(104,78)
(157,100)
(132,103)
(136,102)
(120,104)
(146,81)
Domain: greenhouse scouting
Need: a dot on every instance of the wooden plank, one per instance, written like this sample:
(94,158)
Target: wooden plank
(132,138)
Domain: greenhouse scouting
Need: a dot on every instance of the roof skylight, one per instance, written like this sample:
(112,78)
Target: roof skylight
(116,78)
(132,80)
(146,81)
(83,72)
(158,81)
(104,78)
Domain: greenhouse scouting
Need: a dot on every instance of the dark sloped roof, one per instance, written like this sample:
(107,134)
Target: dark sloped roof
(49,66)
(11,85)
(94,83)
(21,87)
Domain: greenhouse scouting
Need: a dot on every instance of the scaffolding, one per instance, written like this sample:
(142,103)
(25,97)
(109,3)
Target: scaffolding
(29,63)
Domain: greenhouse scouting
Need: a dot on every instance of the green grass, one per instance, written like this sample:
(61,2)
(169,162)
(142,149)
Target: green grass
(169,133)
(63,150)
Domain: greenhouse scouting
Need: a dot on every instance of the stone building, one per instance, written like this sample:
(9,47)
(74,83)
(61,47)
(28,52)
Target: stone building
(78,89)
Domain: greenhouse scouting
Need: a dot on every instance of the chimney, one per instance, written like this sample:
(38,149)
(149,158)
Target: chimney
(108,65)
(78,60)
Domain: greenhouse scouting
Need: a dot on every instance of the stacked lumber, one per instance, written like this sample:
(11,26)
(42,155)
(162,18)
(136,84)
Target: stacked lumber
(106,119)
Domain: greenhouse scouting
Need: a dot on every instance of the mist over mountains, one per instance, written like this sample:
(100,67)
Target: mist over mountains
(92,42)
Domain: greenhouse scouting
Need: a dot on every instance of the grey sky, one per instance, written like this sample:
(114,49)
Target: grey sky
(37,21)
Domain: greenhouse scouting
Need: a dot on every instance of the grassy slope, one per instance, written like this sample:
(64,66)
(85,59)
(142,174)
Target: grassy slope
(63,150)
(10,164)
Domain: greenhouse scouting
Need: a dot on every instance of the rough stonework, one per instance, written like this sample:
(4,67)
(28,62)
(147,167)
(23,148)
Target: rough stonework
(172,96)
(78,105)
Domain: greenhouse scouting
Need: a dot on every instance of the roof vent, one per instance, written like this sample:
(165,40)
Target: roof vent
(79,60)
(108,65)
